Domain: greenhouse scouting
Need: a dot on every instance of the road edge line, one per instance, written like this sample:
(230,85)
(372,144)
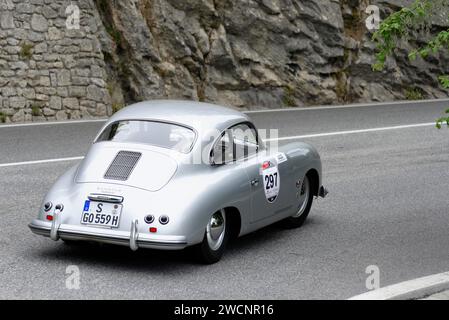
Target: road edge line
(409,290)
(23,163)
(51,123)
(356,131)
(352,105)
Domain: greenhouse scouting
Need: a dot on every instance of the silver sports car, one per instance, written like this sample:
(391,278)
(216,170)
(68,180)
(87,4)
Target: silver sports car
(172,174)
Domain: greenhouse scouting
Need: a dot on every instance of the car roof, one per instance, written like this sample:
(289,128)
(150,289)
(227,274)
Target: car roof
(198,115)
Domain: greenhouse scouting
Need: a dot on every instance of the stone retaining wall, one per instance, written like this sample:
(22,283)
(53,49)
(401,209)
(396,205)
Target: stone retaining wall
(48,71)
(245,54)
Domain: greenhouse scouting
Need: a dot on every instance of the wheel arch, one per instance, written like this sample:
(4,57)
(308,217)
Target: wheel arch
(314,179)
(233,214)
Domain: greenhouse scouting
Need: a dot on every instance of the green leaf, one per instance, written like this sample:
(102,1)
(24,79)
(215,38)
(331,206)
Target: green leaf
(413,55)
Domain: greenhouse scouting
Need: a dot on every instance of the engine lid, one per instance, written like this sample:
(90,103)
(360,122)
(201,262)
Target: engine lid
(121,164)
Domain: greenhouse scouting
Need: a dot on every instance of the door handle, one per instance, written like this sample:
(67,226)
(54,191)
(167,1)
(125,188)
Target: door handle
(255,182)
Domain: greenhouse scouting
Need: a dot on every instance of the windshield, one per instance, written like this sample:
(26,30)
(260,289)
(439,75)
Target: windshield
(160,134)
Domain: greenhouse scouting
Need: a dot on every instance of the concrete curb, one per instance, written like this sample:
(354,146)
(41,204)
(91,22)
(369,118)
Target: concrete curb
(408,290)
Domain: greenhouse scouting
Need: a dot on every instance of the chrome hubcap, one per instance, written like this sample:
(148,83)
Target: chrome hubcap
(215,230)
(303,197)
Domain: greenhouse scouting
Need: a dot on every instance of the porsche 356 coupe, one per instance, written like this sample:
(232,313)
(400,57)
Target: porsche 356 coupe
(172,174)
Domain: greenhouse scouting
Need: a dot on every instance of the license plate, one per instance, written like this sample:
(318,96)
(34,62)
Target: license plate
(102,214)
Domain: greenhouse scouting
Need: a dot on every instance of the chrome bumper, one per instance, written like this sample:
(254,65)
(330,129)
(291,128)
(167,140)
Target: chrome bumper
(132,239)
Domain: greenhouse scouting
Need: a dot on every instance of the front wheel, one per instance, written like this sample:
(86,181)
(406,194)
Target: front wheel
(215,238)
(304,204)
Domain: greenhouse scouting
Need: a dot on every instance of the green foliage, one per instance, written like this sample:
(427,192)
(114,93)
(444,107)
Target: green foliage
(110,88)
(413,94)
(104,6)
(116,107)
(115,34)
(443,120)
(2,117)
(288,98)
(444,81)
(26,51)
(407,24)
(35,111)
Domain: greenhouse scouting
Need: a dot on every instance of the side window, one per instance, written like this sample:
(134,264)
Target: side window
(223,151)
(244,141)
(236,143)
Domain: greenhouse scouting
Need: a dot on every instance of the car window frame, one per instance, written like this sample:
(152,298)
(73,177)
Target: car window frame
(234,160)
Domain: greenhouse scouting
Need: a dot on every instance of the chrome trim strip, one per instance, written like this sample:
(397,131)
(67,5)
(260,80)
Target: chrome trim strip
(134,234)
(39,230)
(43,231)
(55,226)
(105,198)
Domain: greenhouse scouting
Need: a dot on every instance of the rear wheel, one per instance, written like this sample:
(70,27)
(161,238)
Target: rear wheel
(304,204)
(215,238)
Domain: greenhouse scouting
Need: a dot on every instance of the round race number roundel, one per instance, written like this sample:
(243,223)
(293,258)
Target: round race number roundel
(271,180)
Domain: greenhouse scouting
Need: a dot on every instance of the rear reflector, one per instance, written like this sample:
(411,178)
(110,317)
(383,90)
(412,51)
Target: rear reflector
(153,229)
(49,217)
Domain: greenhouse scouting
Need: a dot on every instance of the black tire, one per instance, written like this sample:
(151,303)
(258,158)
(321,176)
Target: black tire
(207,255)
(296,222)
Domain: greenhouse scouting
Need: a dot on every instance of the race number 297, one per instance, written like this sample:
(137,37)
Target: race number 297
(271,183)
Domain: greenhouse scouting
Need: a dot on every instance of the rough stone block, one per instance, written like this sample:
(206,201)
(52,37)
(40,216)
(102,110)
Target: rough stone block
(7,20)
(63,78)
(71,103)
(17,102)
(55,103)
(39,23)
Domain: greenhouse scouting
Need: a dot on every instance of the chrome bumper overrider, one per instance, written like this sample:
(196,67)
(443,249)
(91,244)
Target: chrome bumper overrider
(133,239)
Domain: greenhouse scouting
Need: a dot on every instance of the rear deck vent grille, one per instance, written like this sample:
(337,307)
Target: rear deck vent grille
(122,166)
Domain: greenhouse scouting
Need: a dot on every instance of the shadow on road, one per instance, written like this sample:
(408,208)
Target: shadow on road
(159,261)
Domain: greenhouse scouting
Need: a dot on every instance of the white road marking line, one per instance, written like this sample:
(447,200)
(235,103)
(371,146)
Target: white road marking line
(50,123)
(355,105)
(337,133)
(24,163)
(14,164)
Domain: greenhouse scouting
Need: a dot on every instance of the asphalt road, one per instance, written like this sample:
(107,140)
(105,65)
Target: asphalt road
(387,207)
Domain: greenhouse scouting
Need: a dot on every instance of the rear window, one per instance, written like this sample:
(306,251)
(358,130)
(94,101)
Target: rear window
(160,134)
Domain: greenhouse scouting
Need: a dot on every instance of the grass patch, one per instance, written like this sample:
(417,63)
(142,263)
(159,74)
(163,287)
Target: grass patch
(110,88)
(26,51)
(116,107)
(115,34)
(288,98)
(105,9)
(341,88)
(414,94)
(35,111)
(2,117)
